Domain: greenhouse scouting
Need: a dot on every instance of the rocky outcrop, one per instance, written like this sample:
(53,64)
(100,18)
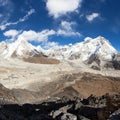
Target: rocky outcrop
(6,96)
(114,63)
(115,115)
(96,62)
(92,108)
(15,96)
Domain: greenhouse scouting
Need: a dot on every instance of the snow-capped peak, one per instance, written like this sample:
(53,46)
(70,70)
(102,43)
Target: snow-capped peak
(20,48)
(87,39)
(99,46)
(83,50)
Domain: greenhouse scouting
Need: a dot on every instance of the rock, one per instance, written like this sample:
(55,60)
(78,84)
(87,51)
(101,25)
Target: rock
(114,63)
(116,57)
(92,108)
(108,65)
(40,117)
(115,115)
(75,56)
(94,62)
(89,112)
(68,116)
(78,105)
(80,117)
(97,62)
(60,111)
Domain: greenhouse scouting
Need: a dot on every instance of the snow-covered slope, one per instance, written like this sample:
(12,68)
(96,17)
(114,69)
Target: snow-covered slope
(3,47)
(84,50)
(19,48)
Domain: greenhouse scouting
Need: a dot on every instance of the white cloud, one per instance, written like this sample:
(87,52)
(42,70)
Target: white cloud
(43,35)
(66,29)
(26,16)
(57,8)
(36,36)
(4,26)
(67,25)
(68,34)
(48,44)
(11,33)
(91,17)
(29,35)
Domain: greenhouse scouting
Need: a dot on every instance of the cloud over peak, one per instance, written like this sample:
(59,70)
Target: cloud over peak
(29,35)
(92,16)
(57,8)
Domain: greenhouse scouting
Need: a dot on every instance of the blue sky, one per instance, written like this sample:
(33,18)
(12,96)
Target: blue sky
(57,22)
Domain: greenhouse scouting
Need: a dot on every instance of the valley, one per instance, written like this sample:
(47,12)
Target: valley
(43,81)
(87,70)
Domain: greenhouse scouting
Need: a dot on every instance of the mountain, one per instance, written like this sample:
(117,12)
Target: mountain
(96,53)
(19,48)
(84,50)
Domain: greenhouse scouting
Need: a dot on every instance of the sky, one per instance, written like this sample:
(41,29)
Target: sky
(50,23)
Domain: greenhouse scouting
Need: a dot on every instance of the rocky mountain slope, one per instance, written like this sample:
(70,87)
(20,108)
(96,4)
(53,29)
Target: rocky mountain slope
(24,50)
(69,85)
(67,100)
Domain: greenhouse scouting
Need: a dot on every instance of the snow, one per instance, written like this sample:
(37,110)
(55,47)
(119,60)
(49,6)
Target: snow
(20,47)
(88,47)
(99,46)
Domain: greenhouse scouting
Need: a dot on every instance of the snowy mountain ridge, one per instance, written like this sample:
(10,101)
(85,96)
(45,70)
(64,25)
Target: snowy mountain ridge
(19,48)
(82,50)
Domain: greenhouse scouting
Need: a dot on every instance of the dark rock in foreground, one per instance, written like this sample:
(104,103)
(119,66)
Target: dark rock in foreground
(92,108)
(115,115)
